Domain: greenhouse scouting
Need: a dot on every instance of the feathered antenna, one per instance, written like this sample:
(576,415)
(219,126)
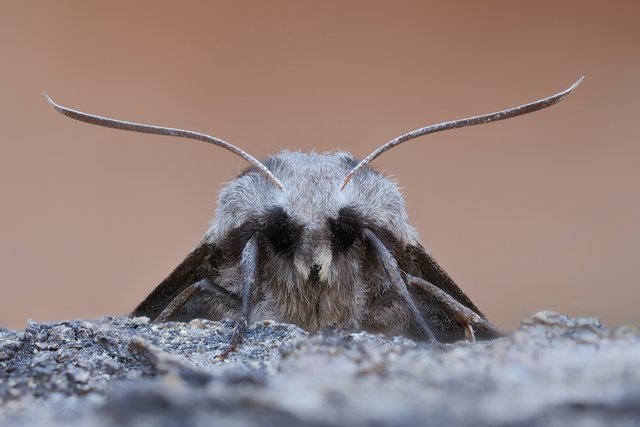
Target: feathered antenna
(471,121)
(159,130)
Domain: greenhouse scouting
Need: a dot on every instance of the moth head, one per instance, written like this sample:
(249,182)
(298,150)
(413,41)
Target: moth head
(308,249)
(311,231)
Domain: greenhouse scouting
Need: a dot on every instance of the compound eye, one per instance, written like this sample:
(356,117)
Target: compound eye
(345,229)
(280,230)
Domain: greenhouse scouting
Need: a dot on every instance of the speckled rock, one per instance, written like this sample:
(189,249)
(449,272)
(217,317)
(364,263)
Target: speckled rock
(553,371)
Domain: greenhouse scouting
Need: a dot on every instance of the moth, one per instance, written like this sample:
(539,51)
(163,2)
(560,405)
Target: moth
(316,240)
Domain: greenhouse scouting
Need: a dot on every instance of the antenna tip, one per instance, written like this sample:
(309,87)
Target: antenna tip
(577,83)
(50,101)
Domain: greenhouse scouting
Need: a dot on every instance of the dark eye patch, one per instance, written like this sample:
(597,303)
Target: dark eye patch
(345,228)
(281,231)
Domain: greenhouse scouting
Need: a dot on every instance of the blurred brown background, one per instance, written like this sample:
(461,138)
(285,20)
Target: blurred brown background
(539,212)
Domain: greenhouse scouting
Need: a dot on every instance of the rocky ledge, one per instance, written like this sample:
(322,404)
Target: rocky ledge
(553,371)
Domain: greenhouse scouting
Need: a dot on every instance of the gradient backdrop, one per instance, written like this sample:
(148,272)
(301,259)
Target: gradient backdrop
(539,212)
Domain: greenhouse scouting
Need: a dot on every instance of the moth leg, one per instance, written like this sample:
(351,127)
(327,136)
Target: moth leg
(390,266)
(176,304)
(248,272)
(463,315)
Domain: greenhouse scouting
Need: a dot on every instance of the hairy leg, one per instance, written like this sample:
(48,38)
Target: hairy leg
(390,266)
(248,270)
(193,291)
(463,315)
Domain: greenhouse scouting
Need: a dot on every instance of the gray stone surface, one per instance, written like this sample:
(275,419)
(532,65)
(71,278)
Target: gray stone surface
(553,371)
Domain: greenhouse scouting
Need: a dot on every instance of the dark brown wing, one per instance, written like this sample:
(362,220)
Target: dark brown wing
(428,269)
(200,264)
(446,329)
